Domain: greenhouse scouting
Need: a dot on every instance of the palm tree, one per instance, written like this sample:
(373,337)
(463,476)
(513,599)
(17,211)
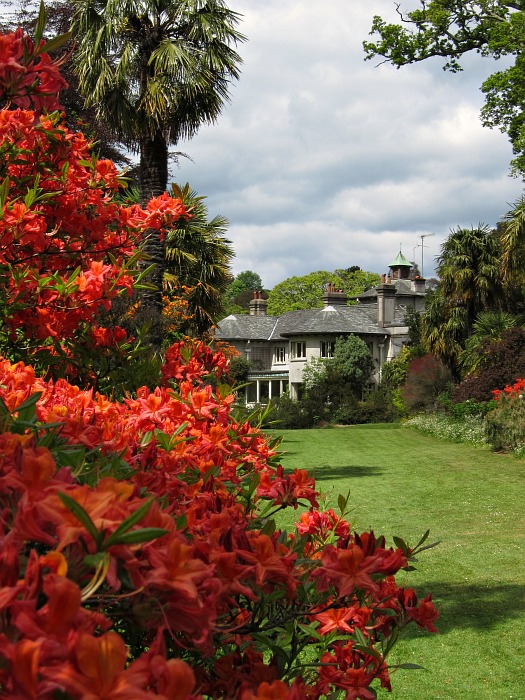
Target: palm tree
(489,325)
(512,241)
(442,328)
(156,70)
(198,257)
(470,282)
(469,268)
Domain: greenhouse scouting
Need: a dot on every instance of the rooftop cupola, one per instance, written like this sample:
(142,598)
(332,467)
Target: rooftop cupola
(400,267)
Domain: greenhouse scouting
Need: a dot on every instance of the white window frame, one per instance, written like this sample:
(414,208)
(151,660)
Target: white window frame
(299,350)
(327,348)
(279,355)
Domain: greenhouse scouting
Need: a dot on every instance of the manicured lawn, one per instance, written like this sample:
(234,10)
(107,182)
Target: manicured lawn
(473,501)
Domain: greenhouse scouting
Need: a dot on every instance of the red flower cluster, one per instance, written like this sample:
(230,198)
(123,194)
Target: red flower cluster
(54,245)
(28,76)
(511,391)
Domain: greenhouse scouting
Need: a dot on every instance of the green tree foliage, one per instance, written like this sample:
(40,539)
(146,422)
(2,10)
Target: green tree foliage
(395,372)
(357,281)
(238,369)
(306,292)
(240,292)
(245,281)
(342,379)
(452,28)
(198,258)
(353,361)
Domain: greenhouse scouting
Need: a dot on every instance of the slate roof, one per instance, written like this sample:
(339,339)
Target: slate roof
(329,320)
(403,288)
(246,327)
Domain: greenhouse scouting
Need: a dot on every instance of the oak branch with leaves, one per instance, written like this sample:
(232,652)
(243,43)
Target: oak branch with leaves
(452,28)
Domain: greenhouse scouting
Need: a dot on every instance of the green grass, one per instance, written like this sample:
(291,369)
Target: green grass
(402,483)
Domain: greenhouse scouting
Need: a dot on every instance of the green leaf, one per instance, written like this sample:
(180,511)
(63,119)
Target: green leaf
(429,546)
(4,192)
(416,667)
(423,539)
(129,522)
(268,528)
(81,515)
(181,522)
(56,42)
(342,502)
(136,537)
(361,639)
(370,651)
(146,438)
(254,483)
(401,544)
(94,560)
(40,24)
(27,410)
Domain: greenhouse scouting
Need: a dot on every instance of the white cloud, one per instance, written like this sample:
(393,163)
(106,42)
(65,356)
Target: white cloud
(323,160)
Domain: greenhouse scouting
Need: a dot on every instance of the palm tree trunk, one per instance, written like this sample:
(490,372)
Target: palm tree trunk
(153,180)
(153,169)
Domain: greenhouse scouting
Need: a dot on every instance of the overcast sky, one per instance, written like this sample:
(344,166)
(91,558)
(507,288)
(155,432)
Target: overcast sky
(324,161)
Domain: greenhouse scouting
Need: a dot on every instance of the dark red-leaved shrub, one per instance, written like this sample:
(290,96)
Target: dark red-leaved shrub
(426,378)
(504,361)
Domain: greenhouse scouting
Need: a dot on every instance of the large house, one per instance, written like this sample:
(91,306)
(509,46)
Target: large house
(278,347)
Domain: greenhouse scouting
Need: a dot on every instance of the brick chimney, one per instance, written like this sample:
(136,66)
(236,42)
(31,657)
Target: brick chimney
(333,296)
(418,285)
(258,305)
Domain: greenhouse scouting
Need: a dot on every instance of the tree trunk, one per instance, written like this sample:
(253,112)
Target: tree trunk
(153,180)
(153,170)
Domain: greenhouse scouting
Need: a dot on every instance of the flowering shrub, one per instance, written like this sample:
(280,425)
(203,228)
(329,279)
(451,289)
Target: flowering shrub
(139,557)
(503,361)
(178,559)
(28,76)
(469,429)
(67,249)
(67,246)
(505,425)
